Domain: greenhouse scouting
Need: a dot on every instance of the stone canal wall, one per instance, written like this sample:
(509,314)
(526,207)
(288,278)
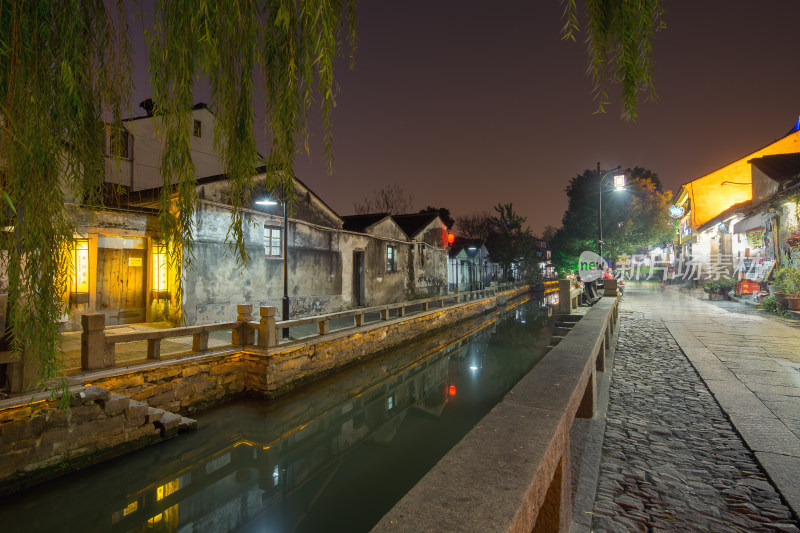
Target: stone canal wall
(119,409)
(41,440)
(282,370)
(188,384)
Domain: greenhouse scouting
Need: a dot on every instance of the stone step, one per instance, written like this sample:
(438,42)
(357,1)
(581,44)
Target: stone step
(168,424)
(154,415)
(187,424)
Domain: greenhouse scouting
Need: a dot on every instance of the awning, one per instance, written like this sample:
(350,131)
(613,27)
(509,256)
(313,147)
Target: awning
(750,223)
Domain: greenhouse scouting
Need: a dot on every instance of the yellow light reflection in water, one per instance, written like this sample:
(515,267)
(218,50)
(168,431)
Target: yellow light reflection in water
(170,515)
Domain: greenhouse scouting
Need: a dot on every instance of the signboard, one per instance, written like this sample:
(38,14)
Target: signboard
(134,261)
(755,237)
(676,211)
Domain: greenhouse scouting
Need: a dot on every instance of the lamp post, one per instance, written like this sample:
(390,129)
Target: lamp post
(619,183)
(285,315)
(285,239)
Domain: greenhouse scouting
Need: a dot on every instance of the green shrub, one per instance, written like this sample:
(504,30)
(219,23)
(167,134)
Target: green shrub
(712,286)
(787,279)
(726,284)
(769,303)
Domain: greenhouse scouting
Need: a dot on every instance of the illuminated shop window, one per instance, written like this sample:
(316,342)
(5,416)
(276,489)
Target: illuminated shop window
(80,266)
(160,284)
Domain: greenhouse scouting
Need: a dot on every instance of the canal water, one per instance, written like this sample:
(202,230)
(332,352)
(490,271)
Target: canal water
(333,456)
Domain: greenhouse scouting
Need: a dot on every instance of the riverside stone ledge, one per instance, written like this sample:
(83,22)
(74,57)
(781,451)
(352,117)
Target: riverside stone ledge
(512,471)
(40,441)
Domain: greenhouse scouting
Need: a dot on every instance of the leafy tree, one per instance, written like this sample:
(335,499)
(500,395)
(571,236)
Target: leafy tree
(632,218)
(548,233)
(443,213)
(510,242)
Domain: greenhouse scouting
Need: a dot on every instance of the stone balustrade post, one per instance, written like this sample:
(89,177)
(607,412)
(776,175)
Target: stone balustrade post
(564,305)
(93,342)
(610,288)
(154,348)
(200,341)
(267,333)
(242,335)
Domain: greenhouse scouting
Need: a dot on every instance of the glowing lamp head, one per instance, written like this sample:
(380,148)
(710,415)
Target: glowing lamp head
(451,238)
(619,181)
(452,390)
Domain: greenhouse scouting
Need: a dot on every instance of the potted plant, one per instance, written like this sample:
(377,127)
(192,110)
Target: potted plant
(713,289)
(787,279)
(726,286)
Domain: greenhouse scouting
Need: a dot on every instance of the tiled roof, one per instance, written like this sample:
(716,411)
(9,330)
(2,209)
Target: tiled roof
(779,167)
(360,223)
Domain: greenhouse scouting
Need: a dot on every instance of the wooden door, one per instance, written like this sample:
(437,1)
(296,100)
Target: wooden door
(121,279)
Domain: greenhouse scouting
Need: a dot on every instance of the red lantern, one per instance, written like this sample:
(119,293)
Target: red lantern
(450,238)
(452,390)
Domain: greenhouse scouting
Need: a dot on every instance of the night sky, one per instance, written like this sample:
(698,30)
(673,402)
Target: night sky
(466,104)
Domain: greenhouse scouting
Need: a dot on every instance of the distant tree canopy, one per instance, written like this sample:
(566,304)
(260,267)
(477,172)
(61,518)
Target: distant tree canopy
(635,217)
(443,213)
(391,199)
(65,78)
(475,226)
(510,241)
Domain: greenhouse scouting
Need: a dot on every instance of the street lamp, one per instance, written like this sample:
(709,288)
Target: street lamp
(619,183)
(285,313)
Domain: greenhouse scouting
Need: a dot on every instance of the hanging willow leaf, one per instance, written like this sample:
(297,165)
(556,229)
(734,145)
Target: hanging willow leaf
(619,39)
(65,79)
(64,74)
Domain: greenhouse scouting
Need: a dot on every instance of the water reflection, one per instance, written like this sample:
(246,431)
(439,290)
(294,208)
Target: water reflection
(334,456)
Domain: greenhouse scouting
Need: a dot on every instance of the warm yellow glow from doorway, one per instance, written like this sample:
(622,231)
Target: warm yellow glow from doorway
(81,267)
(159,268)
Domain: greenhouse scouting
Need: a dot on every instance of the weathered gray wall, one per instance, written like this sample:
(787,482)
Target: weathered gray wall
(215,284)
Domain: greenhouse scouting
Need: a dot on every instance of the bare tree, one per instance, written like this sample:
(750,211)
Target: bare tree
(475,226)
(391,199)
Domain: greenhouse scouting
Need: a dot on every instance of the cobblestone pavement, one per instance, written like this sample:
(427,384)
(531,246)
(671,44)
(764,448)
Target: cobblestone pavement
(671,458)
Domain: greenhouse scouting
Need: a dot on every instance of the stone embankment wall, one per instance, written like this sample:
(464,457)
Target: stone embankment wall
(192,383)
(121,409)
(40,440)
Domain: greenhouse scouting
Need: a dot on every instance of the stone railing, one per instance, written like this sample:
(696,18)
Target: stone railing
(512,471)
(98,345)
(568,297)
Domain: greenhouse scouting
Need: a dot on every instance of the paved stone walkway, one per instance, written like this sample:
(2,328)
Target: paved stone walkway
(672,460)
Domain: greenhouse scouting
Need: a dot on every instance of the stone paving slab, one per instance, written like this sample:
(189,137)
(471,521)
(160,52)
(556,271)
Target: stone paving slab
(671,458)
